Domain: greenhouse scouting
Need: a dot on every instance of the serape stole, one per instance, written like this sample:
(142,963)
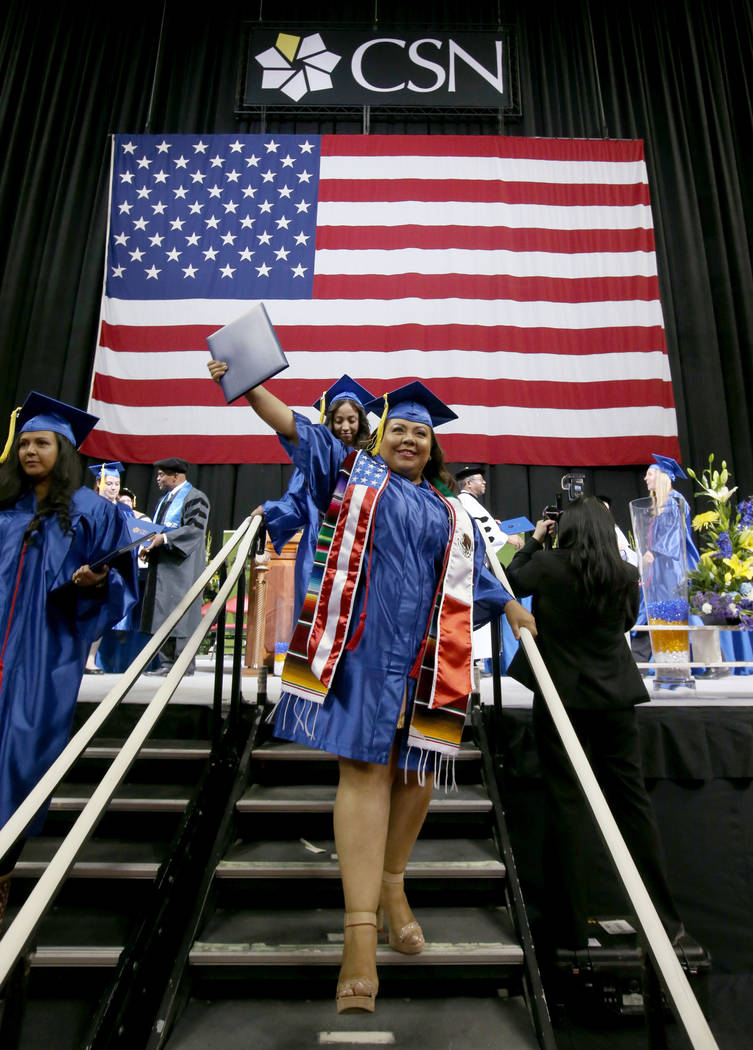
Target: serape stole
(443,667)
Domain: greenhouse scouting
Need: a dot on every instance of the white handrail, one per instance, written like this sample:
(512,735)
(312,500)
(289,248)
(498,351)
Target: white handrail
(50,780)
(25,922)
(663,954)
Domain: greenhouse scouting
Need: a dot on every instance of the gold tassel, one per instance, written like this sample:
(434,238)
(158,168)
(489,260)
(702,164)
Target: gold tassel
(376,441)
(11,434)
(323,406)
(101,479)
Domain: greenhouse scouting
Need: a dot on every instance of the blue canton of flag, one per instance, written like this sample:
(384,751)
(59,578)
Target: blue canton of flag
(213,216)
(365,471)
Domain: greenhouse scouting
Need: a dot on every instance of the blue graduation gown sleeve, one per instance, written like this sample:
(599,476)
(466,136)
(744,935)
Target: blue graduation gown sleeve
(295,511)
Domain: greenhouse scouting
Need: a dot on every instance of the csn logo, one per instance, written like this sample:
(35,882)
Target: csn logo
(384,66)
(297,66)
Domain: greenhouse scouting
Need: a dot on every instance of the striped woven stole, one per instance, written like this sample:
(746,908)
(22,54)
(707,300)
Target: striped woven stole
(443,668)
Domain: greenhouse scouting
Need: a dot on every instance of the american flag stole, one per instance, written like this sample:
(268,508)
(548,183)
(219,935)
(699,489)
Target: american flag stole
(319,636)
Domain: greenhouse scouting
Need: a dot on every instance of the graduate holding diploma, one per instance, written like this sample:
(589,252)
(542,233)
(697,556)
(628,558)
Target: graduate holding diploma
(378,671)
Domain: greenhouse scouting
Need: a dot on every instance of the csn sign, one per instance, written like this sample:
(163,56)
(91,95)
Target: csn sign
(344,68)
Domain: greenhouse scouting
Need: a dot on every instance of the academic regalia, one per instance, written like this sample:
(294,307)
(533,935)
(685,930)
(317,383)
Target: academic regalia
(175,565)
(669,533)
(410,533)
(50,633)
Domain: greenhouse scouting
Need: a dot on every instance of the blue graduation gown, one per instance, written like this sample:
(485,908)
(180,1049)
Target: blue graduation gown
(51,631)
(670,532)
(359,716)
(295,511)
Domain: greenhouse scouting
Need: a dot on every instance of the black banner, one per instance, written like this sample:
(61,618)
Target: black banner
(396,67)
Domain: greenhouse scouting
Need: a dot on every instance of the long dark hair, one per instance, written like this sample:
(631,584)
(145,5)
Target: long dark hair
(65,478)
(586,531)
(363,434)
(435,469)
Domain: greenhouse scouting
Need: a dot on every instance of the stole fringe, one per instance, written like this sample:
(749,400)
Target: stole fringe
(305,714)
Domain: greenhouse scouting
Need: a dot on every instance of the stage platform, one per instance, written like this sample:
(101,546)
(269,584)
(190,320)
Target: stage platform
(731,691)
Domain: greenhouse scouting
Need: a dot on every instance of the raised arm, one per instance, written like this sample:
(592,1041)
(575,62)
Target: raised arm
(267,407)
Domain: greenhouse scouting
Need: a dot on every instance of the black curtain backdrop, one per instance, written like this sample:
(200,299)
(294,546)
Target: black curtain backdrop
(676,73)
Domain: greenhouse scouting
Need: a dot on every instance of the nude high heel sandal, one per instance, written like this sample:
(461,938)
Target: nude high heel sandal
(357,993)
(409,939)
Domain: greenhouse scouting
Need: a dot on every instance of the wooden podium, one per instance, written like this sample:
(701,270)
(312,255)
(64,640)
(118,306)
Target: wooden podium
(270,605)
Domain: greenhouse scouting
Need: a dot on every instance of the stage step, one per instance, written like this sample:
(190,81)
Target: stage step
(320,798)
(90,936)
(109,748)
(99,859)
(284,751)
(154,798)
(301,859)
(453,1023)
(274,937)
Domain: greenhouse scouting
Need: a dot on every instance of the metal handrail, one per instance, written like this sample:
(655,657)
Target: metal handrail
(683,1001)
(22,928)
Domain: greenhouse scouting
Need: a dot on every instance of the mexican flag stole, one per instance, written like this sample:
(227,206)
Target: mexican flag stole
(443,667)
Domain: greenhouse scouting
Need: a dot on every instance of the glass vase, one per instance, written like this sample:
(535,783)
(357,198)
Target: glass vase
(660,542)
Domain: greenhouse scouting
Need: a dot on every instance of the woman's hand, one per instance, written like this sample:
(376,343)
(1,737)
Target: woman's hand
(518,616)
(648,558)
(86,577)
(217,369)
(267,407)
(544,528)
(258,512)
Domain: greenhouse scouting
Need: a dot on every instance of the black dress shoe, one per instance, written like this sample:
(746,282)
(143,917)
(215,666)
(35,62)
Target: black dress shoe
(163,672)
(93,670)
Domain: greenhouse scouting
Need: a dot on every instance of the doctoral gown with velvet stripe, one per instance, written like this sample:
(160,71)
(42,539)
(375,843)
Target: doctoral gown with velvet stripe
(51,630)
(411,529)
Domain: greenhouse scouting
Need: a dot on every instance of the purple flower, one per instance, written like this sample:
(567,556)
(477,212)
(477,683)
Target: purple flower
(724,544)
(745,507)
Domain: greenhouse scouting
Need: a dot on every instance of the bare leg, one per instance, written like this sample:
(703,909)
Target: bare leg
(409,802)
(361,817)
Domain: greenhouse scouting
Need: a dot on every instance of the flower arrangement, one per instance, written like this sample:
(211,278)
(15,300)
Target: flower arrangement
(722,584)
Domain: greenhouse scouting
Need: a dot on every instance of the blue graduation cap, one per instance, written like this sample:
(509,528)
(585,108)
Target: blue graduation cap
(415,402)
(669,466)
(108,469)
(40,412)
(344,389)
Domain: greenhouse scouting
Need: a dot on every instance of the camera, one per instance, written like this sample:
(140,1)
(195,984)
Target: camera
(553,512)
(573,484)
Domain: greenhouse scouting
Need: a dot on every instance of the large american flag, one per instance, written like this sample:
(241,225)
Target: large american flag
(516,277)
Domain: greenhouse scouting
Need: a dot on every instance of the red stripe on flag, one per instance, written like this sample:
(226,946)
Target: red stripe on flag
(150,338)
(621,151)
(386,338)
(485,238)
(561,195)
(486,392)
(478,286)
(550,450)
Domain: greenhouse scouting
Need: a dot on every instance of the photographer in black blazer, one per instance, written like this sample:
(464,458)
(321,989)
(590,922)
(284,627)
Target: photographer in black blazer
(584,599)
